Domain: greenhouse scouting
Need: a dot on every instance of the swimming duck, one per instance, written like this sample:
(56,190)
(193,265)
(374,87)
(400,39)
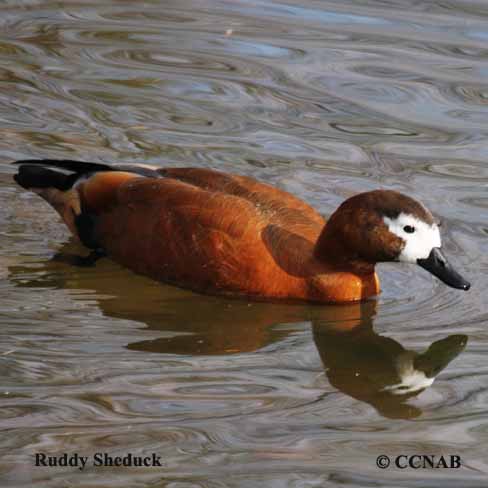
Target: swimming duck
(219,233)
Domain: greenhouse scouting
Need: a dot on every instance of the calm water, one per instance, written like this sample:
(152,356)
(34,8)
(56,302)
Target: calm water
(321,98)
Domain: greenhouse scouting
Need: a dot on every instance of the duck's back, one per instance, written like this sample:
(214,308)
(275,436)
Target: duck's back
(211,232)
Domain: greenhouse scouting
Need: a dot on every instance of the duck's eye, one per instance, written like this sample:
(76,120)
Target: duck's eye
(409,229)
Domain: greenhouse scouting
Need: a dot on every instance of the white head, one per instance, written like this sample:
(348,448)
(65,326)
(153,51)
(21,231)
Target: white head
(384,225)
(421,244)
(419,236)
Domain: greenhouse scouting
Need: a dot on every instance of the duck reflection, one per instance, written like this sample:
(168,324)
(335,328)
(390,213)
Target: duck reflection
(379,370)
(358,361)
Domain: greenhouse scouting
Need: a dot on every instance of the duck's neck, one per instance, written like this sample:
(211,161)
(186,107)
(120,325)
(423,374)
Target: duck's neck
(331,249)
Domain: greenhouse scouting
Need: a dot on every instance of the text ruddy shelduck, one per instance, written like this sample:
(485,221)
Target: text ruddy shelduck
(226,234)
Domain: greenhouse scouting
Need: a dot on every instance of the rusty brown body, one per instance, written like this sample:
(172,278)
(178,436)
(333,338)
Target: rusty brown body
(217,233)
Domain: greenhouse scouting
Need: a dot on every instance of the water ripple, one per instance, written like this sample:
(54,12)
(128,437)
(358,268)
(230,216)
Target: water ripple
(323,99)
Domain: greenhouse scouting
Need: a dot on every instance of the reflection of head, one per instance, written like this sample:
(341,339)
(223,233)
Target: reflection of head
(410,379)
(378,370)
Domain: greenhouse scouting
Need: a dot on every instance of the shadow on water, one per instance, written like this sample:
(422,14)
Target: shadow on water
(357,360)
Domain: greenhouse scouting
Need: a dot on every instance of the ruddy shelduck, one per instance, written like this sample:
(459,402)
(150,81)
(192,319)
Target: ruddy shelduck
(219,233)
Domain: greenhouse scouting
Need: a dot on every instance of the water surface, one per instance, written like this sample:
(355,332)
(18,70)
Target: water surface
(323,99)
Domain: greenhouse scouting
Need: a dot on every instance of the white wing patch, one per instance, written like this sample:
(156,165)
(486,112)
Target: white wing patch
(419,243)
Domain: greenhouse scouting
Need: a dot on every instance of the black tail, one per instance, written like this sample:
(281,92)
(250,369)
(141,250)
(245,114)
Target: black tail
(79,167)
(36,173)
(30,176)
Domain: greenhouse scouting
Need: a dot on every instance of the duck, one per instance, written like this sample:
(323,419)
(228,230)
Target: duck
(226,234)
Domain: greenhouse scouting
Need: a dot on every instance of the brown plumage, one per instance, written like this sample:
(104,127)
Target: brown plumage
(225,234)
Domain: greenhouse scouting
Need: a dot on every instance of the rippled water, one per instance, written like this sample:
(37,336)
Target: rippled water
(321,98)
